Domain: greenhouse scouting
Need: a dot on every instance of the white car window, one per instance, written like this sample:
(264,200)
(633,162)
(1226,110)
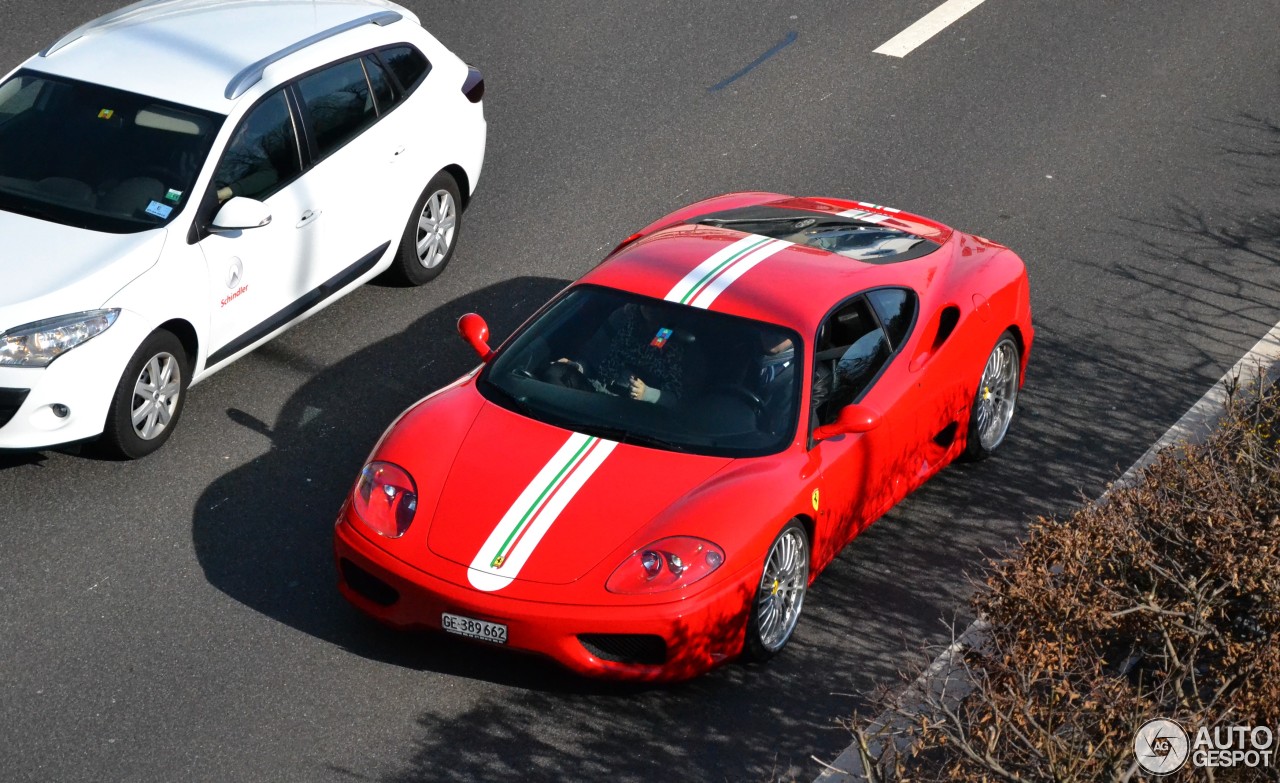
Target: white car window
(96,157)
(339,104)
(262,156)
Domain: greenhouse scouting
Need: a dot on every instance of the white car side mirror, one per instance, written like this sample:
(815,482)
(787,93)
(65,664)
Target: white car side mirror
(241,214)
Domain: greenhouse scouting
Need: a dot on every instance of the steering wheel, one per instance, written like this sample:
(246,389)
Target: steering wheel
(742,393)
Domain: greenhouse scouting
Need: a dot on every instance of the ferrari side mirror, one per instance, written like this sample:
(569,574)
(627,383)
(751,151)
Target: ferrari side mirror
(851,419)
(476,332)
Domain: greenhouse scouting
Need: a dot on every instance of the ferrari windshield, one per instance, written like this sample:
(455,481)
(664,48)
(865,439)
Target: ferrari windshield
(653,373)
(96,157)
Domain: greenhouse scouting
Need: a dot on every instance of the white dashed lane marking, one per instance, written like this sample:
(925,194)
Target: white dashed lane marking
(929,25)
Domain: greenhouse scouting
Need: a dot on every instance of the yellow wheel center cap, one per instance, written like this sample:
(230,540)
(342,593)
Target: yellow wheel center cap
(776,585)
(986,393)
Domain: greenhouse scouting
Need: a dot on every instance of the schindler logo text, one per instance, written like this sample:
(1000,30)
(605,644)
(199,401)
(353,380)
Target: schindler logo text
(1163,747)
(237,292)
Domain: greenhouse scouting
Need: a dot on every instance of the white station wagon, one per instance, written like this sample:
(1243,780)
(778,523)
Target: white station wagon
(181,180)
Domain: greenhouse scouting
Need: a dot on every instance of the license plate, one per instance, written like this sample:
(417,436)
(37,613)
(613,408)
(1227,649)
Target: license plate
(476,629)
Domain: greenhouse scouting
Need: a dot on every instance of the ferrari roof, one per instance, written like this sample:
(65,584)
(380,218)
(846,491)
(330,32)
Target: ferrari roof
(192,51)
(750,275)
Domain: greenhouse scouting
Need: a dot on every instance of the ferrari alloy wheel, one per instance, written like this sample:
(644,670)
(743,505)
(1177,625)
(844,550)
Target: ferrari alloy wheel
(148,399)
(432,232)
(995,399)
(780,595)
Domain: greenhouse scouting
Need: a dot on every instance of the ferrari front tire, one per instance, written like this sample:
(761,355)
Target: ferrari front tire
(994,401)
(779,597)
(148,400)
(431,234)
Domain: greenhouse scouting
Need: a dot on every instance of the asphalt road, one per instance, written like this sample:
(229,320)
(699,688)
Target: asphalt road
(175,619)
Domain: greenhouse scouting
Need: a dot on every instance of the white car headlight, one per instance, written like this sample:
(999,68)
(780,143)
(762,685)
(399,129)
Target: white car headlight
(36,344)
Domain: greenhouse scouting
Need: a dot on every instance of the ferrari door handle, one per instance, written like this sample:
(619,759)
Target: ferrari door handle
(398,151)
(310,216)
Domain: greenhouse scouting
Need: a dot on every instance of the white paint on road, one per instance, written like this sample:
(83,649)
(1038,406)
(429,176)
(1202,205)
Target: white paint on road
(929,25)
(1262,360)
(943,677)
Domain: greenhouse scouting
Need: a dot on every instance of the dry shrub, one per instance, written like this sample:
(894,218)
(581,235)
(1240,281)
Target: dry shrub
(1161,601)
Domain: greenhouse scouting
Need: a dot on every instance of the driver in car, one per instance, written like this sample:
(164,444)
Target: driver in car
(641,360)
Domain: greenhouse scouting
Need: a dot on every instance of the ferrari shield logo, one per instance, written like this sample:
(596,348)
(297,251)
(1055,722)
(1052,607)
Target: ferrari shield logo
(815,500)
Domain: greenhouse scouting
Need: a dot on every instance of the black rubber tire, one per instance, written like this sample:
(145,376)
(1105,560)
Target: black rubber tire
(406,269)
(119,440)
(974,451)
(755,649)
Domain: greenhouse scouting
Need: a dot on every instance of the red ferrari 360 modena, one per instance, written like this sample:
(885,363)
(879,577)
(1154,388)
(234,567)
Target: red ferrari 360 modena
(643,481)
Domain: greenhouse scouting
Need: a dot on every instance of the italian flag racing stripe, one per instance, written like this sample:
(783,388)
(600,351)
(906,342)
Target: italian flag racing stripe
(867,216)
(529,518)
(709,279)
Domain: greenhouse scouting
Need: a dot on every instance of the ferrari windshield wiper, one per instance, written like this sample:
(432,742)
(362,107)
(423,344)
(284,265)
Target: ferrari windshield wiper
(622,435)
(512,401)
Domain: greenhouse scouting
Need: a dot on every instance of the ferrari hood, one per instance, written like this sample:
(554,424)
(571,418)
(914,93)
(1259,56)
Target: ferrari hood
(529,501)
(51,269)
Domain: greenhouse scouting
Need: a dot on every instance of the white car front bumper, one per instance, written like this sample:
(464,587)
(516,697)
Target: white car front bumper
(82,380)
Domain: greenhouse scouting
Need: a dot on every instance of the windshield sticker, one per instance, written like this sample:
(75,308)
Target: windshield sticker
(660,339)
(159,210)
(173,195)
(106,114)
(517,534)
(709,279)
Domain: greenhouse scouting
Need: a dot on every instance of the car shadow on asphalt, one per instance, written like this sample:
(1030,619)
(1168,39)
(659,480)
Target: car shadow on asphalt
(263,532)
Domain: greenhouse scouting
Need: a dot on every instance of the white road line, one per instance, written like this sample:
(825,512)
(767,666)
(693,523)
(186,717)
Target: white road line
(1262,360)
(929,25)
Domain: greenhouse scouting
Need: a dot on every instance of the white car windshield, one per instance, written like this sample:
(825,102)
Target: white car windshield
(653,373)
(96,157)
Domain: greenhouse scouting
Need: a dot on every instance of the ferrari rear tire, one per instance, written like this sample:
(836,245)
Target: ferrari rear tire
(994,401)
(431,234)
(779,598)
(149,398)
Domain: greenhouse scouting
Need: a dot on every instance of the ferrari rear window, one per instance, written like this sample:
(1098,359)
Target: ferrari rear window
(860,237)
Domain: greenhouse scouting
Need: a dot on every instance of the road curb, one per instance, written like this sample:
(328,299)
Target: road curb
(944,677)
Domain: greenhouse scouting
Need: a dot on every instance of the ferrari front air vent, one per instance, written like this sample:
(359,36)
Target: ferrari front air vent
(368,585)
(631,648)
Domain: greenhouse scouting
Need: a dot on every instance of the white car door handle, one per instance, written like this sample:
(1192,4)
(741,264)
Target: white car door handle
(310,216)
(399,150)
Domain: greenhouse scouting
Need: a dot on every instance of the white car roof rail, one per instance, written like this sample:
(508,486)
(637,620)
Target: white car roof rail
(253,74)
(247,77)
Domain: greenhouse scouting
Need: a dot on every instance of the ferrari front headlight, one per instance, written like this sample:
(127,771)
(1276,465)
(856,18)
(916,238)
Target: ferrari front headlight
(666,564)
(385,499)
(39,343)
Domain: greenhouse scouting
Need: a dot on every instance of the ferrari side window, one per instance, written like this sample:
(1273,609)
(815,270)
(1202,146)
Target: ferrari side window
(850,350)
(897,310)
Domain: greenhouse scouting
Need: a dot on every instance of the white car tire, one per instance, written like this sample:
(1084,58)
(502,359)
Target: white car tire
(432,233)
(149,398)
